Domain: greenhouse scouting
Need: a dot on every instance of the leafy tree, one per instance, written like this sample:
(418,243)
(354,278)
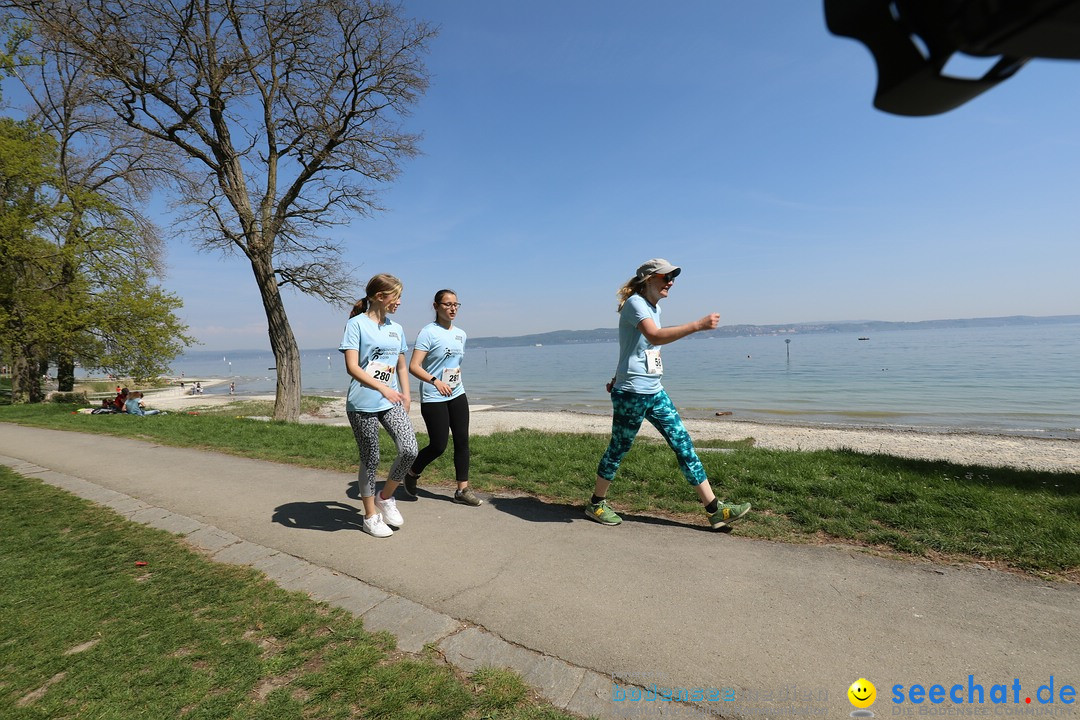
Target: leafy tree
(27,162)
(286,111)
(106,171)
(93,297)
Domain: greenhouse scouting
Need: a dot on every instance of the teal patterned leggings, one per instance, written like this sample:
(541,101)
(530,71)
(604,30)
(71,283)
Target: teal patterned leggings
(629,410)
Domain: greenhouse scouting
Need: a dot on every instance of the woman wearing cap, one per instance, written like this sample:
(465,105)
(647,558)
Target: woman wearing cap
(436,362)
(637,395)
(374,348)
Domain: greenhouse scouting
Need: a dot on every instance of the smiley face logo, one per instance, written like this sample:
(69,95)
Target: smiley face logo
(862,693)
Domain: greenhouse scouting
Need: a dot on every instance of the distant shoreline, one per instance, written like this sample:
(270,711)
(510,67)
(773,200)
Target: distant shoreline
(610,334)
(854,327)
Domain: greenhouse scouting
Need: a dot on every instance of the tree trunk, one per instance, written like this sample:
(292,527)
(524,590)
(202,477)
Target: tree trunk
(65,362)
(282,342)
(20,374)
(65,373)
(25,375)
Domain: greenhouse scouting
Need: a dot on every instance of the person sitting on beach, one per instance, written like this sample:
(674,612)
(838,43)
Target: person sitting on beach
(637,395)
(134,405)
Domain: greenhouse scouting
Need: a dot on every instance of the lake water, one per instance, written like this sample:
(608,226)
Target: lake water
(1022,380)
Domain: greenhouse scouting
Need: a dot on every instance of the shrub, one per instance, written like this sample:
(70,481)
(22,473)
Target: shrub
(69,398)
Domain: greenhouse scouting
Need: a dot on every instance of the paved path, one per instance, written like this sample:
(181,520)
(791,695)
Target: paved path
(568,603)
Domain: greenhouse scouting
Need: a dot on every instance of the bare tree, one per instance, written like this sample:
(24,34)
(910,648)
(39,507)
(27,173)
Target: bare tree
(287,113)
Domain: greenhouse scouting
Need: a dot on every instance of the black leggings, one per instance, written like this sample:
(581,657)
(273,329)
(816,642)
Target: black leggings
(443,418)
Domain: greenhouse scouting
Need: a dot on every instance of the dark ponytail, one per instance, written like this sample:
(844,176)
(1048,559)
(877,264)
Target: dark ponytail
(440,295)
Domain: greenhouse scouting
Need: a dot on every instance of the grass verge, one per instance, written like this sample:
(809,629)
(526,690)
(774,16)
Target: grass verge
(1019,519)
(86,633)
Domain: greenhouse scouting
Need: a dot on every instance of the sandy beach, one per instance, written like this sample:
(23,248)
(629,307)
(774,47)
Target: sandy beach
(1054,455)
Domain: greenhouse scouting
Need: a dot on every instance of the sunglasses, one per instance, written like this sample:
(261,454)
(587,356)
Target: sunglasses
(668,277)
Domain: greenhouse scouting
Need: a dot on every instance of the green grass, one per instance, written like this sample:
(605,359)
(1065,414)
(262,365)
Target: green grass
(1021,519)
(85,633)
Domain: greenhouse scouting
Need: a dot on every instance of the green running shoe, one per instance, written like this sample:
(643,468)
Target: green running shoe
(727,513)
(602,513)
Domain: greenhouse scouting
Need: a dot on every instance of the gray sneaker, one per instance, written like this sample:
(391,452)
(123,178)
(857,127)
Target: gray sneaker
(410,484)
(466,496)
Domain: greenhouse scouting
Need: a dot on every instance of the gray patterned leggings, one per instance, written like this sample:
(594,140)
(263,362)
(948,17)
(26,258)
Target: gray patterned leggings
(365,428)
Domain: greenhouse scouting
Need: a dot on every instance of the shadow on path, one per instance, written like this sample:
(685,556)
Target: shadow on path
(353,492)
(534,510)
(328,516)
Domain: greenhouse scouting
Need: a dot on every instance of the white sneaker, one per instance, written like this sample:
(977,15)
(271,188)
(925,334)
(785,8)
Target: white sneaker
(389,511)
(375,526)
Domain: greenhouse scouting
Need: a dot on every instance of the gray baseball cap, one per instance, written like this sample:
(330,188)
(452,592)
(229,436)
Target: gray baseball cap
(657,266)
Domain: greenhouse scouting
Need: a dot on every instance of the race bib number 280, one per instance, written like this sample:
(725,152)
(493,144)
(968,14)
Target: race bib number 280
(380,371)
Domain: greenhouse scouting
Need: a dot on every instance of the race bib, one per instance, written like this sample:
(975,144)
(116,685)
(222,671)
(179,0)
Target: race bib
(380,371)
(451,376)
(653,364)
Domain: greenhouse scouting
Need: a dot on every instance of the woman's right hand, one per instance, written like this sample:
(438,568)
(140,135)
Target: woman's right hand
(709,322)
(392,395)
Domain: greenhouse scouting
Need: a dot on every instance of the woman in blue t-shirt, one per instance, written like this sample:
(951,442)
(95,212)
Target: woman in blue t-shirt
(436,362)
(374,348)
(637,395)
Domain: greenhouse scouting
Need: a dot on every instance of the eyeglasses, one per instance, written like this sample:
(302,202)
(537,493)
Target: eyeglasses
(668,277)
(450,305)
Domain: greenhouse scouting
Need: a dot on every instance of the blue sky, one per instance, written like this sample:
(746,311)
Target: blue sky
(565,142)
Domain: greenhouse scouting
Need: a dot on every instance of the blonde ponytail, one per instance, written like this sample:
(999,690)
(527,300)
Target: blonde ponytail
(631,286)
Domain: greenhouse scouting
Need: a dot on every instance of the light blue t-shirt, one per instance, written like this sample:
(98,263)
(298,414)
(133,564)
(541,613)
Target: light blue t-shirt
(632,373)
(445,350)
(379,347)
